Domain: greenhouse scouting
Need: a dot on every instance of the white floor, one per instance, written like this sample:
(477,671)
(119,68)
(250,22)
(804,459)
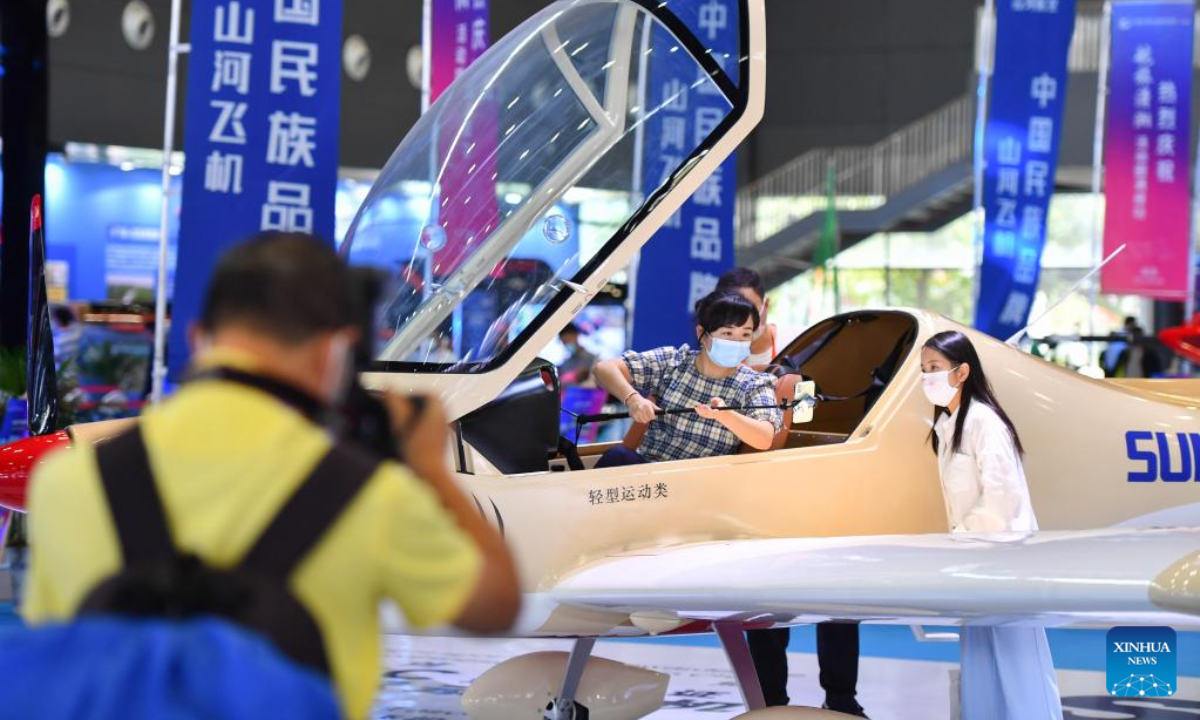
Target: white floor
(425,677)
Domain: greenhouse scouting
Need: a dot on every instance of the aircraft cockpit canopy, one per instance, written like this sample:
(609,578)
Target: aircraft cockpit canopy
(530,169)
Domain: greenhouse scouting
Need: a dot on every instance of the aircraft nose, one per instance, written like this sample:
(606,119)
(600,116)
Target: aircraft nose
(1178,587)
(17,461)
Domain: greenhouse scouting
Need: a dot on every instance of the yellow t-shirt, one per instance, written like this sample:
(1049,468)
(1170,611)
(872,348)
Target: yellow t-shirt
(226,458)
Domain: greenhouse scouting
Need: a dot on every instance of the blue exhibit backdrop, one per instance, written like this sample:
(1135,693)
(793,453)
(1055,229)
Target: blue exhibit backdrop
(260,135)
(1029,89)
(682,262)
(103,241)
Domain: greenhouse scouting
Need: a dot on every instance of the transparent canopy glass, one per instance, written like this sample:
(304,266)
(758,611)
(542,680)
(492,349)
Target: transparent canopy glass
(474,219)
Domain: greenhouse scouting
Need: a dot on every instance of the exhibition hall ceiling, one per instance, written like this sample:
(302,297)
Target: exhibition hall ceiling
(841,73)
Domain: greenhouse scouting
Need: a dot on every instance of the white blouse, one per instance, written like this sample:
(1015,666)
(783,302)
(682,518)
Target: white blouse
(984,483)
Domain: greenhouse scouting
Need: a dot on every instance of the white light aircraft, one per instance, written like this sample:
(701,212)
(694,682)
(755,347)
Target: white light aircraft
(844,519)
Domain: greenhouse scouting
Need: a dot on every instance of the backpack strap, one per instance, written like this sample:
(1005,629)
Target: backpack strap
(310,511)
(133,499)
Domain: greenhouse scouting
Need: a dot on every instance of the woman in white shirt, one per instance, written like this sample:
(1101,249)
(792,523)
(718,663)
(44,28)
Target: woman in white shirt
(1007,671)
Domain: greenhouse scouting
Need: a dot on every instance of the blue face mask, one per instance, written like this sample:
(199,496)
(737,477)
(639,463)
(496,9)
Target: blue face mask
(728,353)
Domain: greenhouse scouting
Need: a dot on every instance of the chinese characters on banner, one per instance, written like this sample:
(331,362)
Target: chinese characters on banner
(682,262)
(456,34)
(261,134)
(1029,89)
(1147,150)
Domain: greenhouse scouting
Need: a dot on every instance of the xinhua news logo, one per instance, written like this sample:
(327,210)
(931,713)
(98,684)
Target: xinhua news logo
(1141,661)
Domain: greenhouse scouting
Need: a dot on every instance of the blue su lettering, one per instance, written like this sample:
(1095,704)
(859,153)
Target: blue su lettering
(1152,455)
(1166,466)
(1150,473)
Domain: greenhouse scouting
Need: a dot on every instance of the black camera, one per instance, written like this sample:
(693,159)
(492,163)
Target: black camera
(366,418)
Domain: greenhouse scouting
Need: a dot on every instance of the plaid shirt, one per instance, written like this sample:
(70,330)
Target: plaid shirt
(671,376)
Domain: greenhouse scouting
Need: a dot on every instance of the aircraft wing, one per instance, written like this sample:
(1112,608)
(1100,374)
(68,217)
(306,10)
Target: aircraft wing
(1107,577)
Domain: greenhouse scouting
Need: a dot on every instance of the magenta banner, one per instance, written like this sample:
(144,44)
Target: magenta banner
(456,34)
(1147,150)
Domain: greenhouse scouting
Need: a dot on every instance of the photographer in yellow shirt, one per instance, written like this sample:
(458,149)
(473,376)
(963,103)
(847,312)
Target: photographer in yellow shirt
(227,455)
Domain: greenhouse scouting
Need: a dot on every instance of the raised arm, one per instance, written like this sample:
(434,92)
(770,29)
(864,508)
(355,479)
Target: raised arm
(614,376)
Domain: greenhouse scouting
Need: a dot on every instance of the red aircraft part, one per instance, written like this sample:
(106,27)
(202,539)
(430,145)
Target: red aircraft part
(1184,339)
(17,461)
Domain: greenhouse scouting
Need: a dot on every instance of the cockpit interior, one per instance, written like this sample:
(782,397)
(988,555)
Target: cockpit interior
(852,359)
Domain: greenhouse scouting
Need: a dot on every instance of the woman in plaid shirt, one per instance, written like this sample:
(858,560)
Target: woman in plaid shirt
(706,378)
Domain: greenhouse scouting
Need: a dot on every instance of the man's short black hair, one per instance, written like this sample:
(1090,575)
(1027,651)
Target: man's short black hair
(288,286)
(742,277)
(570,329)
(724,308)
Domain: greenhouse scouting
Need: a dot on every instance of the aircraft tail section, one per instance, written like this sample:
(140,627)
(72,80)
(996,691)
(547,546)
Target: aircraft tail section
(41,385)
(1099,453)
(1173,388)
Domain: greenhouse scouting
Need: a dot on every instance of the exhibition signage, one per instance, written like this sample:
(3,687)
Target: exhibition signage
(456,34)
(1029,88)
(1147,148)
(684,259)
(261,134)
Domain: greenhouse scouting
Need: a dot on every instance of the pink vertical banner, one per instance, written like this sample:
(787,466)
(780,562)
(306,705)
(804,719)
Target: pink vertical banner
(1147,148)
(456,33)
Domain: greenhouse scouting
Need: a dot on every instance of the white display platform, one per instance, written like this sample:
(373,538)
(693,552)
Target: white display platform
(426,676)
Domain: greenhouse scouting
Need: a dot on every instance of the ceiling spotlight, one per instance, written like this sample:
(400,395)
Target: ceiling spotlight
(414,65)
(137,24)
(356,58)
(58,18)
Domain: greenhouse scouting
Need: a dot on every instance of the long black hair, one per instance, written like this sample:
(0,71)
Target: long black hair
(957,348)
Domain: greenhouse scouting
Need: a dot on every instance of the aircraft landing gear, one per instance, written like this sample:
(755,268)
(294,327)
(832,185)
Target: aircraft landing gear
(564,706)
(733,640)
(565,710)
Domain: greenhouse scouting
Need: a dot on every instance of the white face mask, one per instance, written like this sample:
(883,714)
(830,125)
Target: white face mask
(728,353)
(937,387)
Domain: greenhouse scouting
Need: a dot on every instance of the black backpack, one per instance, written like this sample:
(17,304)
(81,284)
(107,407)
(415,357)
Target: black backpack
(159,581)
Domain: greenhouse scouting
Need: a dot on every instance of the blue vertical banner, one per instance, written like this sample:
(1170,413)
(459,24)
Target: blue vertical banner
(682,262)
(1029,89)
(260,135)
